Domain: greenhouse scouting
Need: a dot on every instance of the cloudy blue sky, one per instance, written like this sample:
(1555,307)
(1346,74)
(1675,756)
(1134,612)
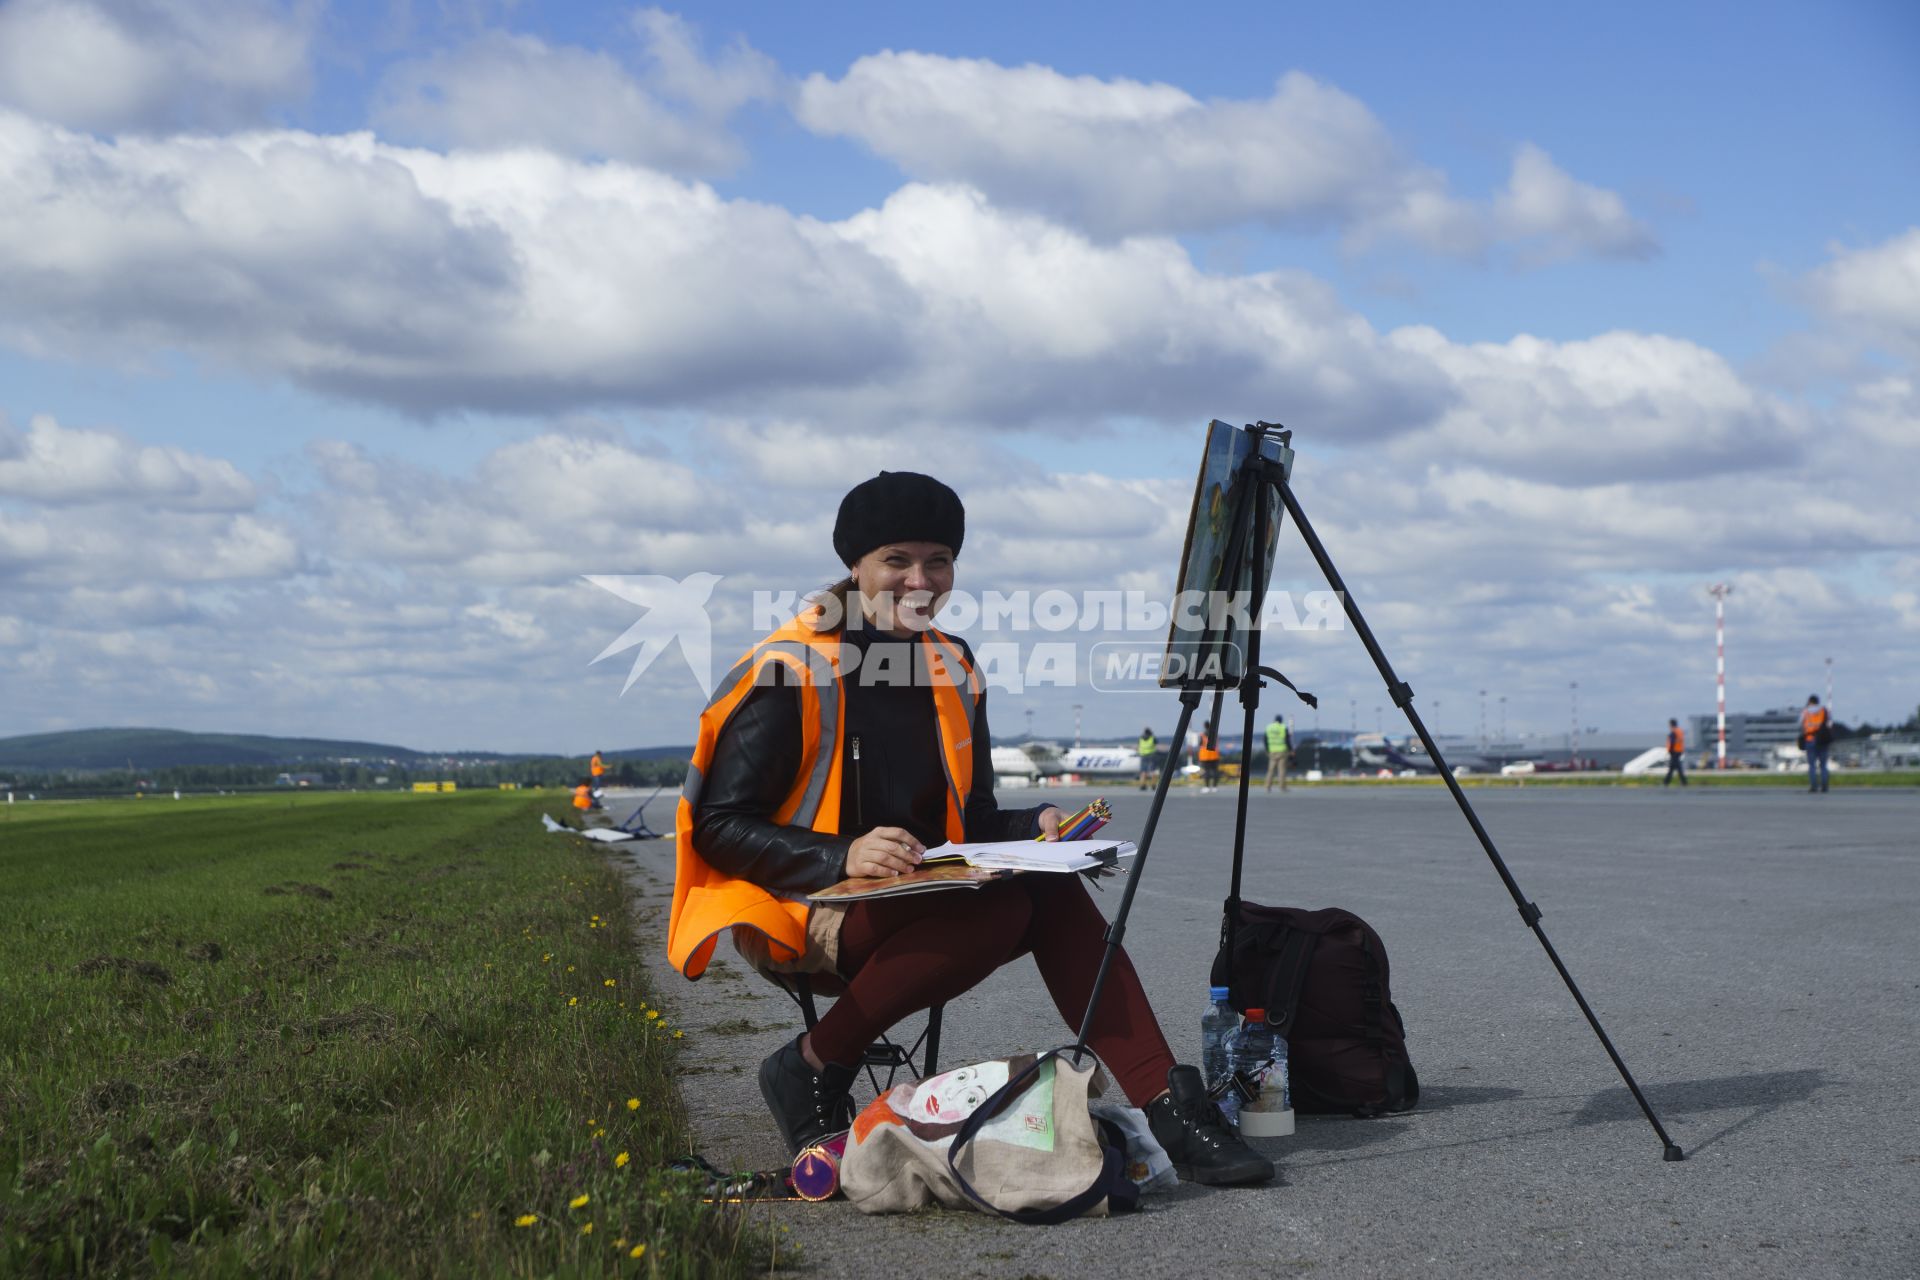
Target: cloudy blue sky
(339,340)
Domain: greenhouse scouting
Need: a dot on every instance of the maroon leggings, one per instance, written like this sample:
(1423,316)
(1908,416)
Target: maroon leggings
(902,955)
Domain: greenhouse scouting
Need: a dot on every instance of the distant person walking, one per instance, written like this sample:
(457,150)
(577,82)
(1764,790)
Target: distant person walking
(596,766)
(1149,746)
(1676,753)
(1816,736)
(1277,752)
(1209,762)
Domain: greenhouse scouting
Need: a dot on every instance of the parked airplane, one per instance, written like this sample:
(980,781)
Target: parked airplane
(1048,759)
(1374,751)
(1012,762)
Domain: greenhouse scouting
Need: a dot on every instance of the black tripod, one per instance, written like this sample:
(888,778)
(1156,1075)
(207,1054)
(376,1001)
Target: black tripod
(1249,539)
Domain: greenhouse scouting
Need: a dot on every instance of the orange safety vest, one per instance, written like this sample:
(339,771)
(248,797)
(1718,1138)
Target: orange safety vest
(708,902)
(1812,720)
(583,797)
(1208,752)
(597,766)
(1676,741)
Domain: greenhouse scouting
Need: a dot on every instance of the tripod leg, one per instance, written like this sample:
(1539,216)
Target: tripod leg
(1402,695)
(1116,930)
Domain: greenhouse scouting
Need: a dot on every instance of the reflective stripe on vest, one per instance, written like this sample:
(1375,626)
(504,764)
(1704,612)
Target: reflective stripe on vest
(1812,720)
(1276,738)
(706,902)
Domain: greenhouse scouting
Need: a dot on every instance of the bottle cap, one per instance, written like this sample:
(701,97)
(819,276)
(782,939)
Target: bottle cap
(1256,1015)
(1218,993)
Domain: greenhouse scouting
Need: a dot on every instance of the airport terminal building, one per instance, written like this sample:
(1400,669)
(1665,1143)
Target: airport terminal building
(1750,735)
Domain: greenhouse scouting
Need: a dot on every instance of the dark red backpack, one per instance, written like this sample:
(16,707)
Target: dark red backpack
(1322,978)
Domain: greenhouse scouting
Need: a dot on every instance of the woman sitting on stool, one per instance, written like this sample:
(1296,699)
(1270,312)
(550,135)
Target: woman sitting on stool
(859,716)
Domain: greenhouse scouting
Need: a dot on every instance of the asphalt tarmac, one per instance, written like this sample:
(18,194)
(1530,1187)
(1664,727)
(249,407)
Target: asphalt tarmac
(1753,954)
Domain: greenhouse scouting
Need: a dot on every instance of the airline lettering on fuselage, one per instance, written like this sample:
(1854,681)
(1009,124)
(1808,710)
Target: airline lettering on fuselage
(1100,760)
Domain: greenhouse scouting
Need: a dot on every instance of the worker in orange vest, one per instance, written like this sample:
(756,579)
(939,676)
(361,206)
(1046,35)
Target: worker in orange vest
(583,797)
(596,767)
(1816,736)
(1676,749)
(1209,762)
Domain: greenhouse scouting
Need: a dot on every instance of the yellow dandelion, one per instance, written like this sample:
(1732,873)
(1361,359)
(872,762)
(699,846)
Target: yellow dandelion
(637,1250)
(586,1228)
(569,968)
(572,1000)
(547,958)
(652,1014)
(620,1161)
(679,1035)
(605,982)
(526,1220)
(633,1104)
(599,1133)
(579,1201)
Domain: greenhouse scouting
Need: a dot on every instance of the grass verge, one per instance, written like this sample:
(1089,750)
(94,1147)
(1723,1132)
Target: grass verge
(358,1035)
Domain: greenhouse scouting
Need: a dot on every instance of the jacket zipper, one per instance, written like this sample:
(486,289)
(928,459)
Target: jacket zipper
(859,796)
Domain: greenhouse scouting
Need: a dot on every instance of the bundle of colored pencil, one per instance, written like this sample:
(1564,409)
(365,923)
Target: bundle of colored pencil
(1081,824)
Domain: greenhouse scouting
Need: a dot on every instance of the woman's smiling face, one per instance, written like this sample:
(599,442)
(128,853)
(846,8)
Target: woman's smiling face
(903,584)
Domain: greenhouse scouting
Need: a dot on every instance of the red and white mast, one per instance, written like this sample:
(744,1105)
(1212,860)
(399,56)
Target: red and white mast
(1719,592)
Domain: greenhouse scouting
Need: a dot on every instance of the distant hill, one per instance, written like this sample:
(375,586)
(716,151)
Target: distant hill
(90,749)
(684,752)
(169,748)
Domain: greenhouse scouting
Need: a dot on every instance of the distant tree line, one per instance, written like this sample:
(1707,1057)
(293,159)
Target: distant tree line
(545,771)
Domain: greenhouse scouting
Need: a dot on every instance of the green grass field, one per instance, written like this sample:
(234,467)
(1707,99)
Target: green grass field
(353,1035)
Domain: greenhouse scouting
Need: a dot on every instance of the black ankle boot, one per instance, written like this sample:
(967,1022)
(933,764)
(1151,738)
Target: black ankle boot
(1202,1145)
(807,1105)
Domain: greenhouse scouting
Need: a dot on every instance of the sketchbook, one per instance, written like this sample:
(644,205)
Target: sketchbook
(1032,855)
(968,866)
(949,875)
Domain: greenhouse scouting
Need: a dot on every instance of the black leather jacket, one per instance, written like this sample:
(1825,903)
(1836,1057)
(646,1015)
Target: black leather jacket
(898,780)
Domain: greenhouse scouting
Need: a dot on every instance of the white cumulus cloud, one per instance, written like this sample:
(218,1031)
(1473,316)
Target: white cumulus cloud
(1874,290)
(520,281)
(1121,157)
(503,89)
(53,464)
(153,65)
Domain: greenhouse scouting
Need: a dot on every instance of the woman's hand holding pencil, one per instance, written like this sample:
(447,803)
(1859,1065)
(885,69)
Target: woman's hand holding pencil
(1084,822)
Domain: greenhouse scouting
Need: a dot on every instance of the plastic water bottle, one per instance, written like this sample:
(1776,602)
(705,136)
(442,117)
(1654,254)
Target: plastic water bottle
(1215,1026)
(1260,1053)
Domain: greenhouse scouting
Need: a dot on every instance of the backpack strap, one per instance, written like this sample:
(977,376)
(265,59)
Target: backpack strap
(1287,976)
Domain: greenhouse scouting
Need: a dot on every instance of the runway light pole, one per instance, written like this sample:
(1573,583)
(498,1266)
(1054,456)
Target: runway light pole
(1829,688)
(1719,591)
(1483,719)
(1573,739)
(1503,717)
